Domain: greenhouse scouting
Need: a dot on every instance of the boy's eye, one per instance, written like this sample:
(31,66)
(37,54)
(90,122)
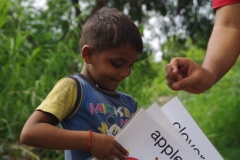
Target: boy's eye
(117,65)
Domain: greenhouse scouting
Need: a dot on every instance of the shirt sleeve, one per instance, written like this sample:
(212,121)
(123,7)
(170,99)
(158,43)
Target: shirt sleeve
(60,101)
(219,3)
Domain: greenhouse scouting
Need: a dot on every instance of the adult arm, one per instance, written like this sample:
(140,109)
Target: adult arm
(224,43)
(222,52)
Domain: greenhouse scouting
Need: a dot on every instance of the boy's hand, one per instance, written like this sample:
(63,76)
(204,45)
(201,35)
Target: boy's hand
(104,147)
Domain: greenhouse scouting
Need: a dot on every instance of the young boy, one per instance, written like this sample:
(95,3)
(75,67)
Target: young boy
(110,43)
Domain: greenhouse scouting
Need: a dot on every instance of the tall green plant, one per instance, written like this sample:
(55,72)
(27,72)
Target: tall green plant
(33,57)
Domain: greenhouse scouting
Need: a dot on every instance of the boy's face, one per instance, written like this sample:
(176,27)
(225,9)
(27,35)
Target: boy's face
(109,67)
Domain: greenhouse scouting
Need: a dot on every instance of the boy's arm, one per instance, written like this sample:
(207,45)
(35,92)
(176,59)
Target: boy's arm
(39,131)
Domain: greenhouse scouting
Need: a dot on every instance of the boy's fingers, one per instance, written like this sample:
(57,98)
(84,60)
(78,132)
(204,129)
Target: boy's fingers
(110,157)
(121,149)
(119,155)
(120,152)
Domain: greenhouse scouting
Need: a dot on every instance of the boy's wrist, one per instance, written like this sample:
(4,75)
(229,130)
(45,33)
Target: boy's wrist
(89,143)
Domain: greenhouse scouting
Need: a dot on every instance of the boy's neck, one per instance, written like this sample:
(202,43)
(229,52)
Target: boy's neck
(96,85)
(86,74)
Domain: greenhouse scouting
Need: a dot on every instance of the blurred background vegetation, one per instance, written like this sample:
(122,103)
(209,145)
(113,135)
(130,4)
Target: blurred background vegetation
(39,45)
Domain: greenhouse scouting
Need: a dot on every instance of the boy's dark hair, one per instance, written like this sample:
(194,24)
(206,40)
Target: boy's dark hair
(109,28)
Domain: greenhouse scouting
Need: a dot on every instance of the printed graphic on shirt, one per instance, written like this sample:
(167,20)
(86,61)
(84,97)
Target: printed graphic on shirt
(115,117)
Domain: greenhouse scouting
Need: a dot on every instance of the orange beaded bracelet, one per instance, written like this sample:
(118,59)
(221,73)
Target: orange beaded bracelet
(89,141)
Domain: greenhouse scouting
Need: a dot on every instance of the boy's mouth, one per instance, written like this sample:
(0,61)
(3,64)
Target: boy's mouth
(116,80)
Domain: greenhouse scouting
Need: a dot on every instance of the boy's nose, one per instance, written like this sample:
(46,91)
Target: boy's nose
(125,72)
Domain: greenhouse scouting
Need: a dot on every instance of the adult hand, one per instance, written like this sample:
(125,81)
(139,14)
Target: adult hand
(185,74)
(104,147)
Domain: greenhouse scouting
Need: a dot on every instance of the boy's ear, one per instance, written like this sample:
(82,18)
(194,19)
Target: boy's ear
(87,53)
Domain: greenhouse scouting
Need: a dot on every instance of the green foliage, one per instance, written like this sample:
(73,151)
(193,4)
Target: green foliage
(194,53)
(33,57)
(4,7)
(175,46)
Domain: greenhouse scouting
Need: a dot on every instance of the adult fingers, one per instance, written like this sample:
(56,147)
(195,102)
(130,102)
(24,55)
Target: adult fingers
(171,81)
(176,68)
(175,63)
(171,69)
(189,84)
